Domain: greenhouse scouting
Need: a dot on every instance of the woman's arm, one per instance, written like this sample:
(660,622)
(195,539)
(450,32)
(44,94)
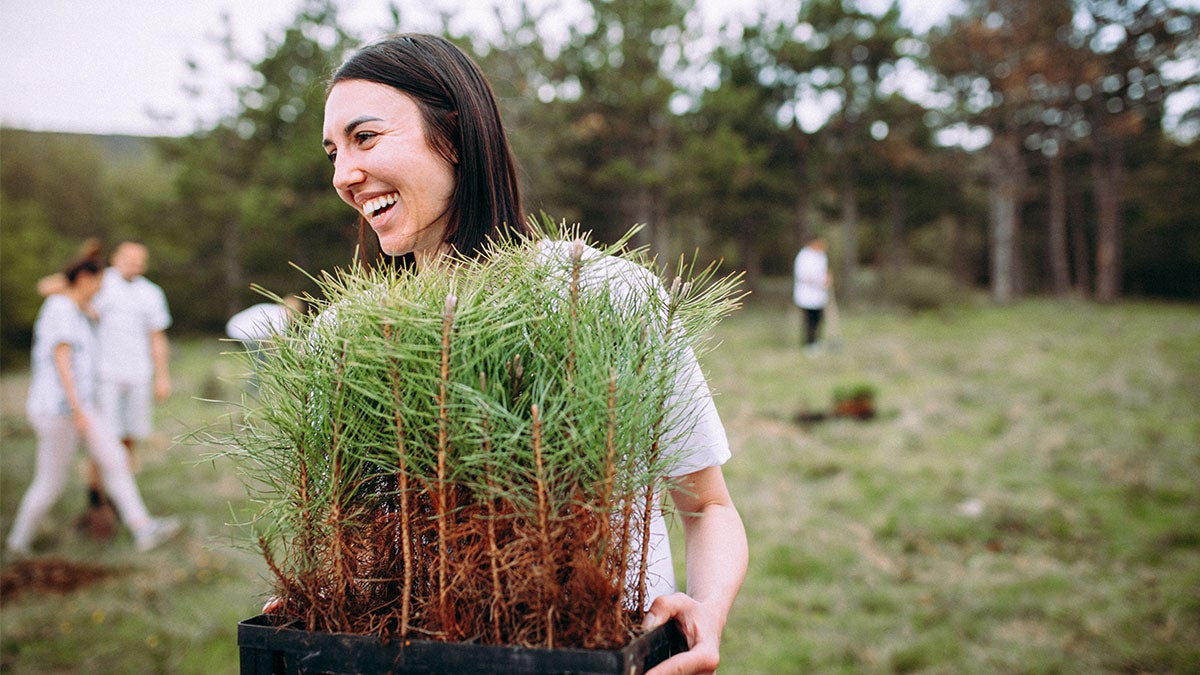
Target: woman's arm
(717,555)
(160,351)
(62,364)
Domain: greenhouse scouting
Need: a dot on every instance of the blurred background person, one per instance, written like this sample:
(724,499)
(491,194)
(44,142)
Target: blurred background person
(810,291)
(57,282)
(61,409)
(257,324)
(133,364)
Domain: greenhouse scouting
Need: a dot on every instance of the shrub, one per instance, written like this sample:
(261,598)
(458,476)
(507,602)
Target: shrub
(920,289)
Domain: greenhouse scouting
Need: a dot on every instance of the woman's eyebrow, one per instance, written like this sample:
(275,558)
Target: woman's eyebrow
(346,131)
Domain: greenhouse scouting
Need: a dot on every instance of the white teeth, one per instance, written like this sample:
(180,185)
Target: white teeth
(371,206)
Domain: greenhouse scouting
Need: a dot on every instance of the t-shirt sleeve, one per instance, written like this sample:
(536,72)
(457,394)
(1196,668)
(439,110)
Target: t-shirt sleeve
(158,315)
(58,325)
(701,441)
(695,438)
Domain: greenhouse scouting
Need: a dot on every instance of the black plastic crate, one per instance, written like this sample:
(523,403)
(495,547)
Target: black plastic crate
(270,644)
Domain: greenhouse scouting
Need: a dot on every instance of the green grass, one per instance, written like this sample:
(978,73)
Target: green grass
(172,610)
(1075,427)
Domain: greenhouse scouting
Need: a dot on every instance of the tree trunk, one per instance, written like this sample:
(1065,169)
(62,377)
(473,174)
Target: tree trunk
(958,251)
(1107,175)
(1001,244)
(661,232)
(897,256)
(1004,197)
(1079,244)
(231,259)
(748,250)
(641,210)
(1060,273)
(849,232)
(802,231)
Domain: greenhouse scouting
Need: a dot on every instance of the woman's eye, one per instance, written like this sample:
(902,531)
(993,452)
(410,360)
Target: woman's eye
(364,136)
(331,156)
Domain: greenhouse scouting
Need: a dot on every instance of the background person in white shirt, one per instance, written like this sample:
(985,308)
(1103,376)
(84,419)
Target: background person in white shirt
(62,412)
(134,353)
(258,324)
(811,289)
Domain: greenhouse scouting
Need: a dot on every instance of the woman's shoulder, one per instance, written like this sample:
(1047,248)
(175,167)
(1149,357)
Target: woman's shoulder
(59,317)
(58,305)
(624,278)
(597,266)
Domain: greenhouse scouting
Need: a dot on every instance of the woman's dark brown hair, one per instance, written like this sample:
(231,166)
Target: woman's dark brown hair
(462,123)
(86,265)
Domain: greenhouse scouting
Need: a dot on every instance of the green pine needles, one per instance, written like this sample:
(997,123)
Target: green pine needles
(473,453)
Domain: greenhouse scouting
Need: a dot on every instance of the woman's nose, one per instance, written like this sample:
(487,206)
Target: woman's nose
(346,172)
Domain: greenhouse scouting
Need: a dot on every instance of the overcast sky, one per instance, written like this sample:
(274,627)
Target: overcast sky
(118,66)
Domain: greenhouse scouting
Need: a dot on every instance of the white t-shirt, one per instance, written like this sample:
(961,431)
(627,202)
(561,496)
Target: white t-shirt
(258,322)
(811,275)
(129,312)
(60,321)
(706,443)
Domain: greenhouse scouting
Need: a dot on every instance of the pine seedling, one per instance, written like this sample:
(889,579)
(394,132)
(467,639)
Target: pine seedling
(474,452)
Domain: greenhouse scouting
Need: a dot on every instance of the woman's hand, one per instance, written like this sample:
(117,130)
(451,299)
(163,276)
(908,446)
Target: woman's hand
(700,625)
(66,375)
(717,554)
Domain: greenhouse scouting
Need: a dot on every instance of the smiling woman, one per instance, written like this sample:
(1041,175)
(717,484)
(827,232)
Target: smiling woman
(419,150)
(421,154)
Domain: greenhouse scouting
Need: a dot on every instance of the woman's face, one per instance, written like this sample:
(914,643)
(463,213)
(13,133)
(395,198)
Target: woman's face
(384,168)
(88,285)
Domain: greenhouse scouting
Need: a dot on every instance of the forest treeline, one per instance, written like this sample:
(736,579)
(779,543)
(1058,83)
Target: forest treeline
(1018,147)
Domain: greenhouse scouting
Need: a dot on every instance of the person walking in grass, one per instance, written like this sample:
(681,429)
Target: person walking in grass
(134,367)
(62,410)
(810,291)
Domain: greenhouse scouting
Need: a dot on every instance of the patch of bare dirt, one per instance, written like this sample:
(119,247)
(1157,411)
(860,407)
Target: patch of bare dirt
(50,575)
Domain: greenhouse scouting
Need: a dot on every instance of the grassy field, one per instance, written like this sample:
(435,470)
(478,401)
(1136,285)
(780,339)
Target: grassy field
(1027,500)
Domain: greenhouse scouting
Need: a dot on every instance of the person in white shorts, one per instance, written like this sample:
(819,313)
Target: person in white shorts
(61,410)
(134,354)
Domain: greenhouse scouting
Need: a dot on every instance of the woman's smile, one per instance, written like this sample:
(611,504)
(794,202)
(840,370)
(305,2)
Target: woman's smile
(378,205)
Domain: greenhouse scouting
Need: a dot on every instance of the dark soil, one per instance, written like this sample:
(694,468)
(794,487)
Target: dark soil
(50,575)
(852,409)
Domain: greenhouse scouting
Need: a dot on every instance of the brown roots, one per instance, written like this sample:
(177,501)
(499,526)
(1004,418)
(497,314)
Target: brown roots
(575,598)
